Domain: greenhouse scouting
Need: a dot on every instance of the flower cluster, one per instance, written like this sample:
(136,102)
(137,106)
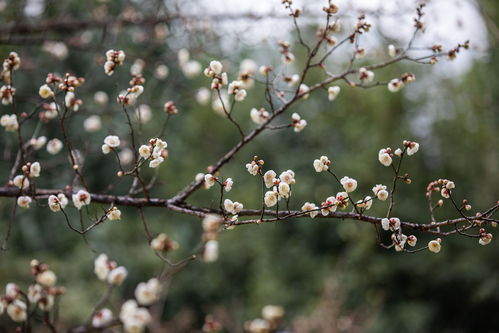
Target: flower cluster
(281,187)
(57,203)
(255,166)
(334,202)
(236,89)
(259,117)
(380,192)
(233,207)
(156,151)
(110,142)
(365,76)
(214,70)
(41,294)
(333,92)
(322,164)
(10,64)
(396,84)
(9,122)
(385,155)
(148,292)
(298,123)
(130,96)
(133,317)
(170,108)
(113,59)
(109,271)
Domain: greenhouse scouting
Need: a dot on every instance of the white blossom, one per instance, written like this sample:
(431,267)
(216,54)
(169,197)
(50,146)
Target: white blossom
(412,240)
(148,292)
(38,143)
(56,203)
(366,203)
(395,85)
(304,90)
(413,148)
(35,169)
(233,207)
(54,146)
(381,192)
(117,276)
(384,157)
(284,190)
(112,141)
(392,51)
(45,91)
(288,177)
(102,317)
(216,66)
(253,168)
(259,117)
(114,214)
(210,251)
(298,123)
(329,206)
(145,151)
(209,180)
(349,184)
(9,122)
(228,184)
(322,164)
(271,198)
(390,223)
(311,208)
(333,92)
(269,178)
(17,311)
(46,279)
(134,319)
(365,75)
(272,313)
(156,162)
(21,181)
(24,201)
(102,267)
(434,245)
(81,198)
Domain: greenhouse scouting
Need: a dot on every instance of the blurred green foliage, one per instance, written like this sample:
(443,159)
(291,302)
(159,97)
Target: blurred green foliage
(333,268)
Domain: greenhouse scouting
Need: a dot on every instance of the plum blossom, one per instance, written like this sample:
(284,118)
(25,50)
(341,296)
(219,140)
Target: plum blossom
(210,251)
(56,203)
(233,207)
(259,117)
(384,156)
(333,92)
(81,198)
(322,164)
(298,123)
(349,184)
(310,208)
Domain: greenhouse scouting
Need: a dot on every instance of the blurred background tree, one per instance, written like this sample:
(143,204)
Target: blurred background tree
(330,276)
